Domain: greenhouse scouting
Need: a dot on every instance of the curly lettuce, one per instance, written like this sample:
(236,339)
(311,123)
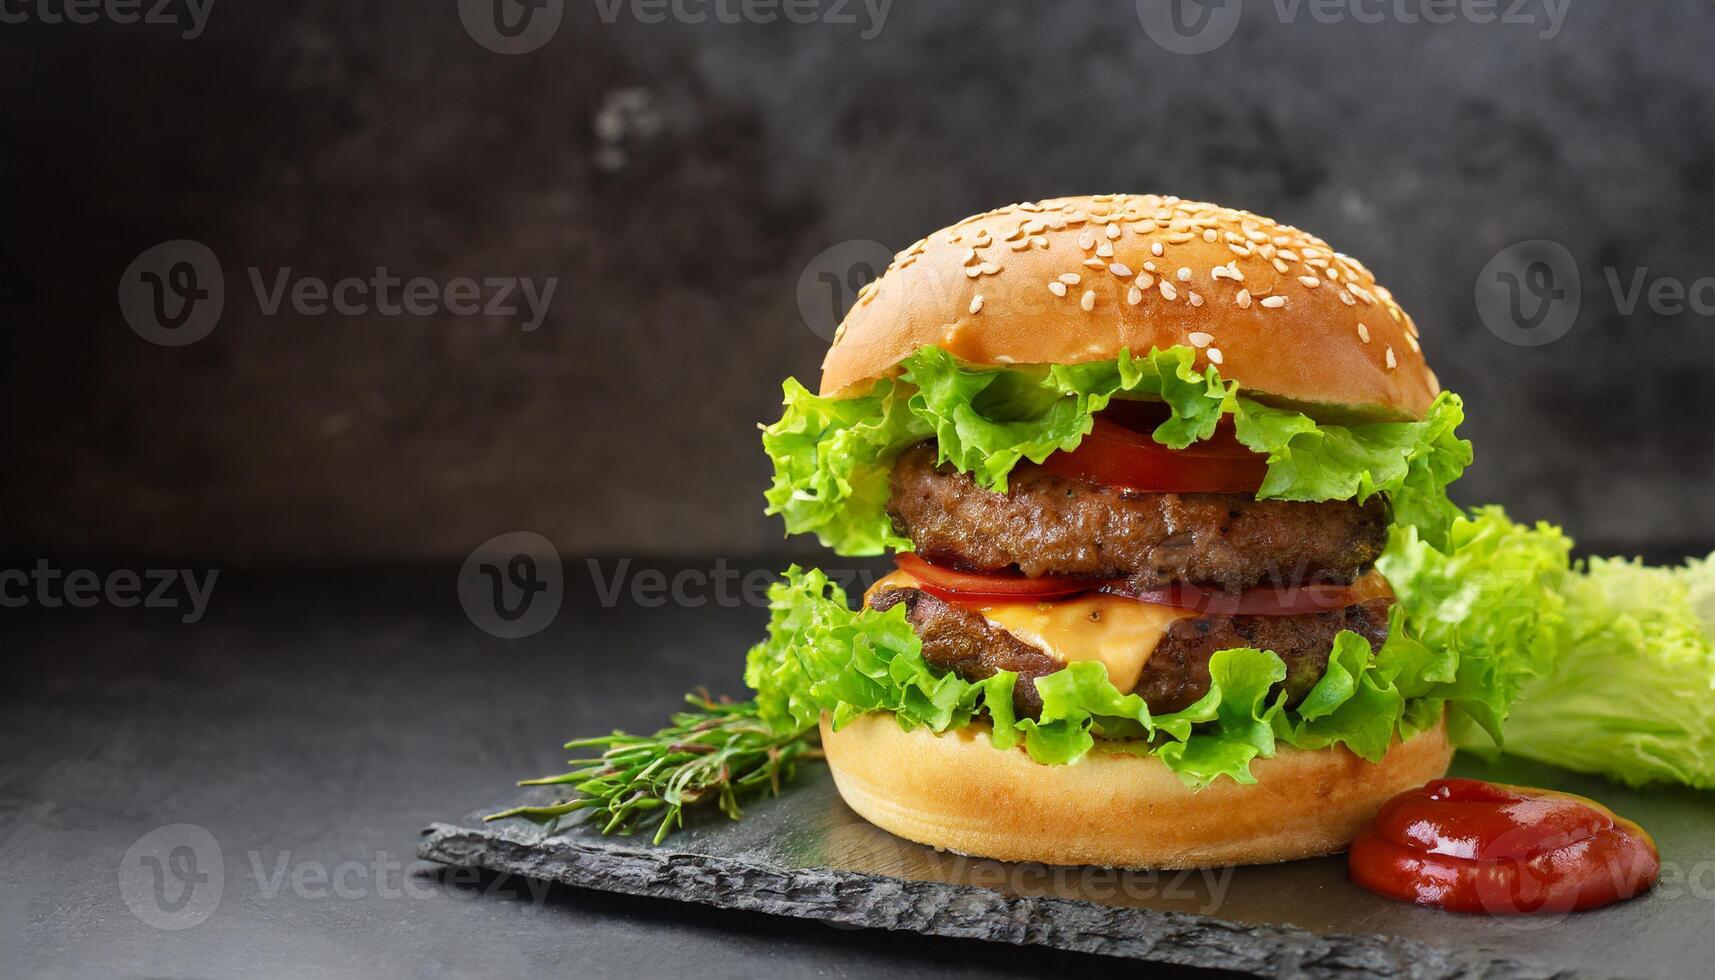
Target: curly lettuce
(831,455)
(1632,690)
(822,656)
(1605,666)
(1493,599)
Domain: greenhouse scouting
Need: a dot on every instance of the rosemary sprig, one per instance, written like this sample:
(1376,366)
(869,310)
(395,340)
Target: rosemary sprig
(718,751)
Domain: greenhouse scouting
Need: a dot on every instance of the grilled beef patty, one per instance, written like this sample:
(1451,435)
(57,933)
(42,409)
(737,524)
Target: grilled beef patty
(1045,524)
(1177,674)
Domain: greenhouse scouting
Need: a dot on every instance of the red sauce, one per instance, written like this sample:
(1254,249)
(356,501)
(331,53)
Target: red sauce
(1487,849)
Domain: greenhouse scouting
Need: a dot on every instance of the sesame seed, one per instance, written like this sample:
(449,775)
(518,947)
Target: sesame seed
(989,268)
(1035,226)
(1209,235)
(1363,333)
(1184,274)
(1120,269)
(977,303)
(970,256)
(1057,287)
(1243,299)
(1155,248)
(1201,339)
(1347,299)
(1145,280)
(973,271)
(1214,355)
(1040,241)
(1086,241)
(1309,282)
(1071,278)
(1105,249)
(1279,266)
(1150,266)
(1274,302)
(1196,298)
(1089,303)
(1095,263)
(1168,293)
(1392,362)
(1134,296)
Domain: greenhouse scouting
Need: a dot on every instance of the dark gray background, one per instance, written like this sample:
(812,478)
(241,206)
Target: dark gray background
(678,179)
(336,137)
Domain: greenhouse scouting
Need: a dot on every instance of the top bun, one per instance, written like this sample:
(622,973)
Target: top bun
(1079,278)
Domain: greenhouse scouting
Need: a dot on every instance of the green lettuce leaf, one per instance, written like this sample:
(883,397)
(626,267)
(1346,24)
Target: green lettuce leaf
(1489,607)
(831,456)
(1632,692)
(821,656)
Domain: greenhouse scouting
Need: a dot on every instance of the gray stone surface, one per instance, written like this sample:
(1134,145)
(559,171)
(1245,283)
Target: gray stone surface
(806,855)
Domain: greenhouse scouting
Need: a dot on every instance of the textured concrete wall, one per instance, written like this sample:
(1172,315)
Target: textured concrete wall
(677,179)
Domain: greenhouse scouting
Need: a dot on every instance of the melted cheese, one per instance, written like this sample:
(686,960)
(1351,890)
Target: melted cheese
(1119,633)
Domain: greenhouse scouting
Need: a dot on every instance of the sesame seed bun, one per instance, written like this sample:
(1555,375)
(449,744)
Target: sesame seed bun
(956,792)
(1079,278)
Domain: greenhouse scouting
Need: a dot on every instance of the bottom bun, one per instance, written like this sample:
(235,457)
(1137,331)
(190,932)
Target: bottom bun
(956,792)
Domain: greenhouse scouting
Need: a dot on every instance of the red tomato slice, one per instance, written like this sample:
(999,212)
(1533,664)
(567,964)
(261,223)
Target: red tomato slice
(1120,453)
(953,585)
(956,586)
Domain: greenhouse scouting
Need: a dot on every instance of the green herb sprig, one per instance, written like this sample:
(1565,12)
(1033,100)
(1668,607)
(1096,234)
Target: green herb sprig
(718,751)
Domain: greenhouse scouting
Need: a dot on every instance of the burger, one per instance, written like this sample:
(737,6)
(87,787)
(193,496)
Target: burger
(1136,460)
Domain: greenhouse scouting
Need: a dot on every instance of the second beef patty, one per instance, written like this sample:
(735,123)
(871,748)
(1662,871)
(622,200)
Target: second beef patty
(1177,674)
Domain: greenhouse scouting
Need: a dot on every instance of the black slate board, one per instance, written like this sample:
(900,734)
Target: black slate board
(805,854)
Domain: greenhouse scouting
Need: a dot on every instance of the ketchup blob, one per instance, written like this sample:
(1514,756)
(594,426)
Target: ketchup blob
(1486,849)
